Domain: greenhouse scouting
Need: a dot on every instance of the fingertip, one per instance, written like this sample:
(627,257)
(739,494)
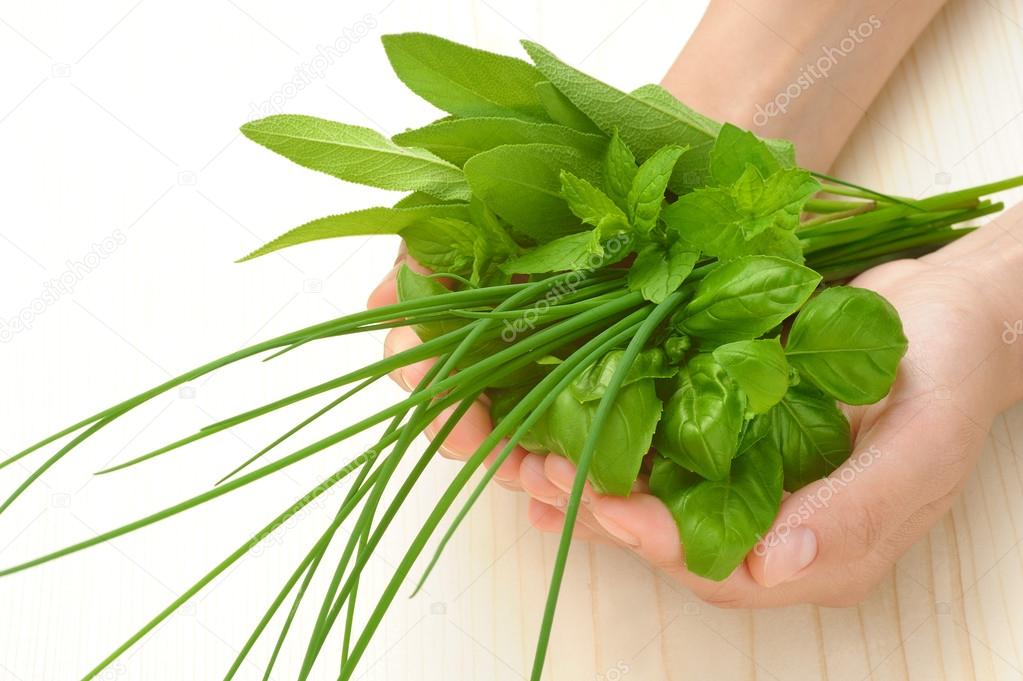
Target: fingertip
(508,471)
(399,340)
(386,292)
(534,480)
(467,435)
(561,472)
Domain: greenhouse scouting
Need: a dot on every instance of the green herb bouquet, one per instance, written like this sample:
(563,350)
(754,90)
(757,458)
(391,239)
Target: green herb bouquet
(625,280)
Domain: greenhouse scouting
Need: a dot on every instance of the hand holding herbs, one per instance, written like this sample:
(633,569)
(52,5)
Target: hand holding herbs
(625,275)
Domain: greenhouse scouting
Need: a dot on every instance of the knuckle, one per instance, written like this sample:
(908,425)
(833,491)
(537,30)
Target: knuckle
(861,531)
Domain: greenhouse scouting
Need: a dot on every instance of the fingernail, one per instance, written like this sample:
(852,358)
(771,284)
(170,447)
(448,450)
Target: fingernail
(790,556)
(616,530)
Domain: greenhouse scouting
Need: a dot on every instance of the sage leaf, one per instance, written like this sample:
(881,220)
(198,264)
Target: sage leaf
(458,140)
(522,184)
(648,184)
(366,222)
(659,270)
(810,433)
(744,298)
(358,155)
(759,368)
(703,419)
(849,342)
(571,252)
(463,80)
(561,109)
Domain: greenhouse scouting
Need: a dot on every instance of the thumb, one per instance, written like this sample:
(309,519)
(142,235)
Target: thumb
(853,524)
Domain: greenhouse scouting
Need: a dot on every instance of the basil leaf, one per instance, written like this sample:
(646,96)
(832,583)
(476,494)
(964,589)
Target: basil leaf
(736,148)
(624,439)
(759,368)
(463,80)
(703,419)
(561,109)
(849,342)
(522,184)
(591,205)
(411,285)
(502,401)
(648,184)
(358,155)
(669,482)
(364,223)
(458,140)
(744,298)
(592,384)
(720,521)
(619,171)
(659,270)
(810,433)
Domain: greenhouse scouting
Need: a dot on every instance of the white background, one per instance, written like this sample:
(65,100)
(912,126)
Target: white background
(119,120)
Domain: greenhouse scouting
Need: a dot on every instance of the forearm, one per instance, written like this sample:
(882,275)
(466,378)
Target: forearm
(805,71)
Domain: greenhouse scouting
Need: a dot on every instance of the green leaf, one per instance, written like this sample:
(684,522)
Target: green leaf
(669,482)
(522,184)
(744,298)
(417,199)
(849,342)
(775,202)
(591,205)
(659,270)
(720,521)
(710,222)
(357,155)
(369,221)
(647,191)
(592,384)
(759,368)
(624,439)
(460,139)
(572,252)
(445,245)
(646,120)
(619,171)
(561,109)
(411,285)
(463,80)
(703,419)
(810,433)
(736,148)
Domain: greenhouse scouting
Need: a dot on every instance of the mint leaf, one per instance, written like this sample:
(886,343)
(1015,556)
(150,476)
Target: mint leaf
(561,109)
(572,252)
(358,155)
(522,184)
(619,171)
(591,205)
(658,270)
(736,148)
(366,222)
(445,245)
(647,192)
(773,202)
(463,80)
(460,139)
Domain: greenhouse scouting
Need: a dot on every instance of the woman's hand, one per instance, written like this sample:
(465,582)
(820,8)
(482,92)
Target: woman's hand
(913,451)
